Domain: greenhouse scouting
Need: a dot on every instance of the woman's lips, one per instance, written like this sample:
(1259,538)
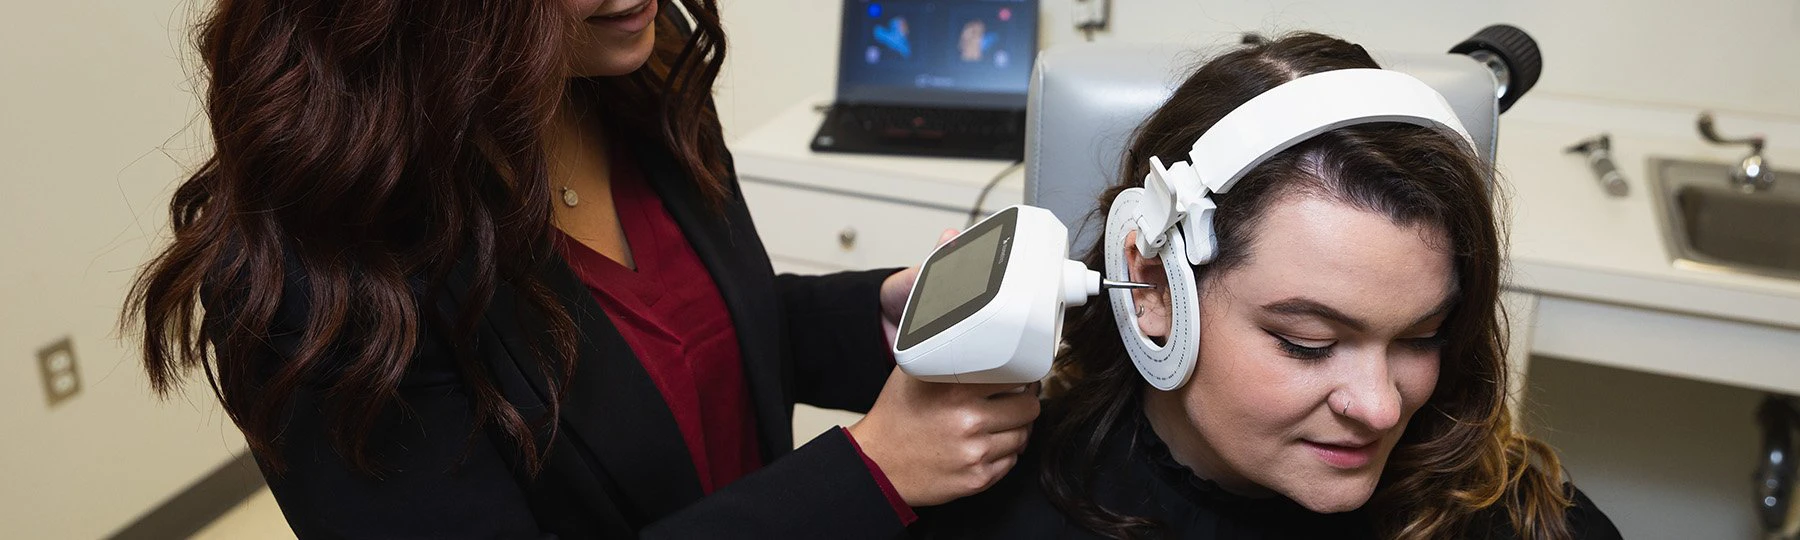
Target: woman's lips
(630,21)
(1344,456)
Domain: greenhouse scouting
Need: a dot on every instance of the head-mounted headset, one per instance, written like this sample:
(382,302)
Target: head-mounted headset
(1173,211)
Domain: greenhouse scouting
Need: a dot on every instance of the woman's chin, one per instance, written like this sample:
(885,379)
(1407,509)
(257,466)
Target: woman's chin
(1333,497)
(614,59)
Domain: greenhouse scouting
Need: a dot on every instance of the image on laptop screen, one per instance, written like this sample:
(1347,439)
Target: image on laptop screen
(968,53)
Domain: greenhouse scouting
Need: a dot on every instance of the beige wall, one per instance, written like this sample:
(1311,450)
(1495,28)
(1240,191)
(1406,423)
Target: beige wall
(93,113)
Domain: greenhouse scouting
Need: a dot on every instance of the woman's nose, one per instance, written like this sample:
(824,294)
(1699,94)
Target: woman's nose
(1370,395)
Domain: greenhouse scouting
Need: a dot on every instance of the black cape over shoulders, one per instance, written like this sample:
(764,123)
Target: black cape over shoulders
(1136,475)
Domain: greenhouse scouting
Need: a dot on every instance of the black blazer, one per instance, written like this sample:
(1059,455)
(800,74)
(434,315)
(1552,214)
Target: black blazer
(618,466)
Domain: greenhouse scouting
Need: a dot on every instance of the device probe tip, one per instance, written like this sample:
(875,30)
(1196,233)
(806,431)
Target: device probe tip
(1110,284)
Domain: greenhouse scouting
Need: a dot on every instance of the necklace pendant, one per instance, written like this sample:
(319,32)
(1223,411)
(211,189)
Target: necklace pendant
(570,198)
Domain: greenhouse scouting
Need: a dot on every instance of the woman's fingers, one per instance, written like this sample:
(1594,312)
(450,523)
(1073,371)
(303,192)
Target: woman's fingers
(946,236)
(1008,412)
(938,442)
(1008,443)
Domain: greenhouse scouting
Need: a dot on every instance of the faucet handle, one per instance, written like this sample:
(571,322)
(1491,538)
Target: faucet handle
(1751,175)
(1707,131)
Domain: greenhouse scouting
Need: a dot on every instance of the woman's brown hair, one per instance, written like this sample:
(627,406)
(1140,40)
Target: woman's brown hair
(371,146)
(1460,459)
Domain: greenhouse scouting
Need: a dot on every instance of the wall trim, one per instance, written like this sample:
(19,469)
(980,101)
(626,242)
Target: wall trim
(185,513)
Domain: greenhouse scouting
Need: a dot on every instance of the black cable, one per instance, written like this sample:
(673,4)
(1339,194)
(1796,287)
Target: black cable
(975,212)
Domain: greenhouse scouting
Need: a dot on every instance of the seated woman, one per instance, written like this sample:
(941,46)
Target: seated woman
(1350,376)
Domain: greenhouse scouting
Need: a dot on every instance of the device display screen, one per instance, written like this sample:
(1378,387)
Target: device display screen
(959,279)
(937,52)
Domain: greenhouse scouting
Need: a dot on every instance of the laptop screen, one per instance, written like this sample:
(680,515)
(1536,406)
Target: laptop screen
(951,53)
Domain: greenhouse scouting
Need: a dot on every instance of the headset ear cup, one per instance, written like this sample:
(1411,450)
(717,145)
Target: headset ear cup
(1168,365)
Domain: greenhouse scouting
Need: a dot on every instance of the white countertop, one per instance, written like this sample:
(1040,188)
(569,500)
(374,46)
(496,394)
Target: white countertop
(1570,239)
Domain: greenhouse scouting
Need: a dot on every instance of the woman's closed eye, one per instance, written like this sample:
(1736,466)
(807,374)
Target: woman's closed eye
(1314,349)
(1301,348)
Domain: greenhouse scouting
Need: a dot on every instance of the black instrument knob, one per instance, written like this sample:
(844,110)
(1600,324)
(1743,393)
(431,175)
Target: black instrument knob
(1516,52)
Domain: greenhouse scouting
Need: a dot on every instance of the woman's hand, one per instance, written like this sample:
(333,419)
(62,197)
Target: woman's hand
(897,287)
(938,442)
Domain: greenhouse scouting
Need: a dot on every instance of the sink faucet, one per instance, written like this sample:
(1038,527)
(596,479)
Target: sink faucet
(1751,175)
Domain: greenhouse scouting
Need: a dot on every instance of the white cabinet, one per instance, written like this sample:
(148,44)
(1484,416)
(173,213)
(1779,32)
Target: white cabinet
(818,231)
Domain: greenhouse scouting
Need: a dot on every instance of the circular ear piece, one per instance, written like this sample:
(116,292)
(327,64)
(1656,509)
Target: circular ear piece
(1165,366)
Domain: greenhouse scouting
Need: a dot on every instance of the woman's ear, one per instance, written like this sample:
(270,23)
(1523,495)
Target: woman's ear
(1152,303)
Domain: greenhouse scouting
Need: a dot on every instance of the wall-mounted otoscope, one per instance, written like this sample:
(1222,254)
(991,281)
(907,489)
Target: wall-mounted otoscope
(1598,151)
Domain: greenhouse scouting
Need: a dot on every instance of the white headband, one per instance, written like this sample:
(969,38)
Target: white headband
(1269,123)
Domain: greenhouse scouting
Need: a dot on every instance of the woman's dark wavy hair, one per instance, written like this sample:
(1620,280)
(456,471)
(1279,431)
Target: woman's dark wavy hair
(373,145)
(1460,460)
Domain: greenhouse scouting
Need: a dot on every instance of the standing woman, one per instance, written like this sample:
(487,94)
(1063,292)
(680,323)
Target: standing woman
(482,269)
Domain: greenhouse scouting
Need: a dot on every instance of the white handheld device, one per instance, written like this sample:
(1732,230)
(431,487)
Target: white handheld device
(988,305)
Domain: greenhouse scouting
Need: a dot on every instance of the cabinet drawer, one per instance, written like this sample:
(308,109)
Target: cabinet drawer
(790,265)
(844,231)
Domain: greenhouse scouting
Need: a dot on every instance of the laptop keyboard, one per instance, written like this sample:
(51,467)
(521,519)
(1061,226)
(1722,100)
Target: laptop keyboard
(929,122)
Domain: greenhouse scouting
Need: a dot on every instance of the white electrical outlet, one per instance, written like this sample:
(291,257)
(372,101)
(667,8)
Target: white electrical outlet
(1086,12)
(1092,16)
(56,366)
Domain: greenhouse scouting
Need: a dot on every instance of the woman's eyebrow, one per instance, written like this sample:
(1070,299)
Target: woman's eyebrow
(1303,306)
(1309,307)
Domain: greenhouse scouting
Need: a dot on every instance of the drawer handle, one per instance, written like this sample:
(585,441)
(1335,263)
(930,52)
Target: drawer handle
(847,238)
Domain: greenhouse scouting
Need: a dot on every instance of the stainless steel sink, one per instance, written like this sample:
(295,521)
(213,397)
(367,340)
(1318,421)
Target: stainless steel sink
(1710,224)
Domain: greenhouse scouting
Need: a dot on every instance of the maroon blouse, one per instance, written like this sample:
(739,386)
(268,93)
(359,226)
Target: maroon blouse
(671,314)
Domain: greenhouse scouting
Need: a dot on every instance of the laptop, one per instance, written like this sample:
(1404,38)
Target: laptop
(943,78)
